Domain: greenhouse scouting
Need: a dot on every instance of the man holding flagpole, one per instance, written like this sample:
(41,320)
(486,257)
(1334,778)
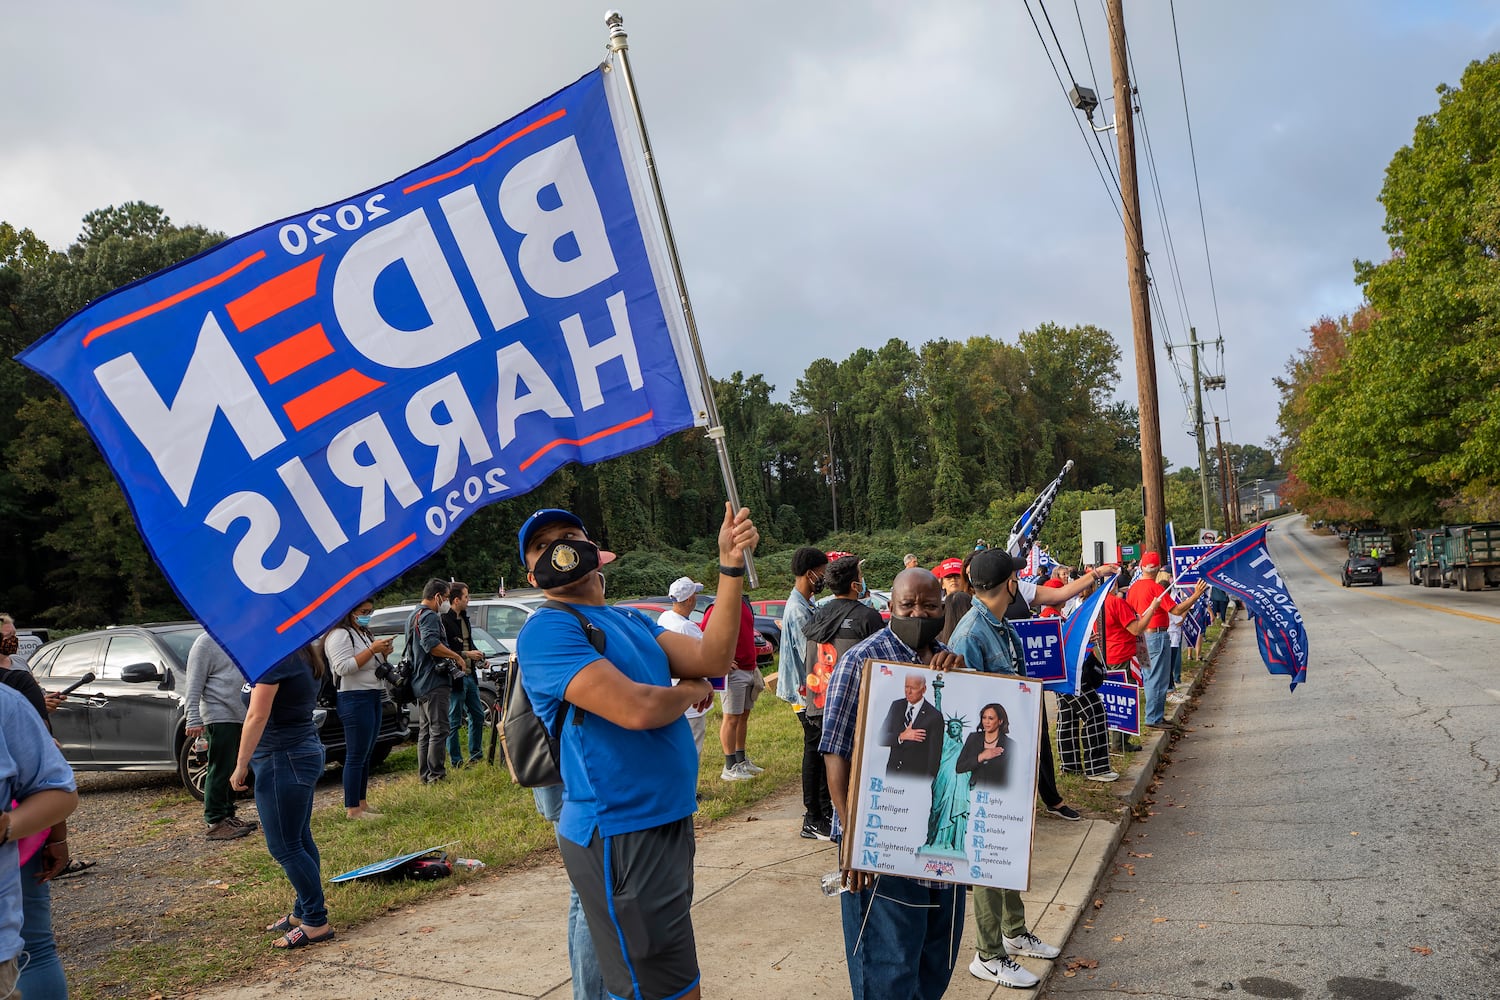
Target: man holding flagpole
(629,767)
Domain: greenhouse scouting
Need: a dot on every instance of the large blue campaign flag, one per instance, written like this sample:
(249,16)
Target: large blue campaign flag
(1077,633)
(1243,567)
(301,413)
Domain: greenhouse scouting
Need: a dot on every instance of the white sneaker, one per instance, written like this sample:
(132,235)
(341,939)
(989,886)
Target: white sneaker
(752,767)
(1106,776)
(1031,946)
(1004,970)
(734,772)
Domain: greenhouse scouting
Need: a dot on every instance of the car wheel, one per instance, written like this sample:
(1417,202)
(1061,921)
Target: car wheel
(382,751)
(1380,581)
(491,708)
(192,768)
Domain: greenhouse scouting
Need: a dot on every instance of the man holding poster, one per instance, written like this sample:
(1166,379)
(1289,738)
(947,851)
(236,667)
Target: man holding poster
(626,753)
(988,642)
(896,930)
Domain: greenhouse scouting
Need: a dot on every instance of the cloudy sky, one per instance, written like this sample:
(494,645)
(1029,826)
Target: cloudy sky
(838,173)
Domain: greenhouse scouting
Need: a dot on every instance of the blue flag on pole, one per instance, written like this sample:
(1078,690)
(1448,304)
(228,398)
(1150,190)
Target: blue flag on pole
(1024,532)
(1077,633)
(1243,567)
(303,412)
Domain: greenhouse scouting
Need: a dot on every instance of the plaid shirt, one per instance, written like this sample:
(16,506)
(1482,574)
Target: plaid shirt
(841,711)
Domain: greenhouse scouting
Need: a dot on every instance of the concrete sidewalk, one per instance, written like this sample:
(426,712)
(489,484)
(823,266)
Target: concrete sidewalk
(764,928)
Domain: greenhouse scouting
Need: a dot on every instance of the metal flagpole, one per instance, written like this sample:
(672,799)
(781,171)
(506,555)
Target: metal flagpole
(619,44)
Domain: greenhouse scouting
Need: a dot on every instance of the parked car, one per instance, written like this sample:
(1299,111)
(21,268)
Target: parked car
(880,600)
(501,617)
(1361,569)
(132,717)
(764,651)
(769,609)
(768,626)
(497,663)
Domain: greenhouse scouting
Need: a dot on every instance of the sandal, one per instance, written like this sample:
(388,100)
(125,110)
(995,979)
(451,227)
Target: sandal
(283,925)
(298,938)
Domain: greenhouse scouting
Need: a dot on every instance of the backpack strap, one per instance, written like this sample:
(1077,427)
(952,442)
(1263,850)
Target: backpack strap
(596,638)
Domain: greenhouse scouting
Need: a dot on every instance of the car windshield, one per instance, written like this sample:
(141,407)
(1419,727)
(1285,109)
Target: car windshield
(179,641)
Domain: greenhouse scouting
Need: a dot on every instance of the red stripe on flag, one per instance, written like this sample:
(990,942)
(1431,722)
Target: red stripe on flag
(319,401)
(274,296)
(617,428)
(172,300)
(294,353)
(344,582)
(554,116)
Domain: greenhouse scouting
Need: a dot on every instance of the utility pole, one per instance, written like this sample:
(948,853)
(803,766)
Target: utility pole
(1208,515)
(1152,483)
(1229,528)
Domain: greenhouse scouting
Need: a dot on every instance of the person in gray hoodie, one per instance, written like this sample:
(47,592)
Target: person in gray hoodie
(214,708)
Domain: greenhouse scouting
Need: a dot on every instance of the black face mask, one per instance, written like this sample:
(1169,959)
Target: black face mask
(818,585)
(565,561)
(917,633)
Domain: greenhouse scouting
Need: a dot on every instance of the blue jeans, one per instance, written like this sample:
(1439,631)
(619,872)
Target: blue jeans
(466,701)
(1176,665)
(359,711)
(901,938)
(1158,674)
(588,981)
(42,979)
(284,783)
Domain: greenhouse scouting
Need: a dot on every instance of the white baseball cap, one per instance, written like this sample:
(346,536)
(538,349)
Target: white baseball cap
(683,587)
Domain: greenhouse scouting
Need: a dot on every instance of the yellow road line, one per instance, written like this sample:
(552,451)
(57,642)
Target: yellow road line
(1297,547)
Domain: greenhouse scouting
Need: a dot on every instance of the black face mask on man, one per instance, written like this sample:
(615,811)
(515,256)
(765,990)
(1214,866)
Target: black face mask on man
(565,561)
(917,633)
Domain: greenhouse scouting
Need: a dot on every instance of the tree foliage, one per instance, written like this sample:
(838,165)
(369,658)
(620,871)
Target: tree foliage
(1394,410)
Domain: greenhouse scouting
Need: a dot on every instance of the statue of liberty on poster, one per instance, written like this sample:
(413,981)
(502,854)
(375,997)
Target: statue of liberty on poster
(948,818)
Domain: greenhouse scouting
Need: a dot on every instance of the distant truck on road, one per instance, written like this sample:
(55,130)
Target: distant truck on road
(1471,556)
(1425,566)
(1373,542)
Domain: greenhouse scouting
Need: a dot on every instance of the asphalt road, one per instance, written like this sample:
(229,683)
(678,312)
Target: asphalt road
(1338,841)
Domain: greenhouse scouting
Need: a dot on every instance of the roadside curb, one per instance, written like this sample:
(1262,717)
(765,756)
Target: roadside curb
(1140,775)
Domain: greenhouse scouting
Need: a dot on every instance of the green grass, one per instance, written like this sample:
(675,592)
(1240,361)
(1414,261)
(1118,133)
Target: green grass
(212,935)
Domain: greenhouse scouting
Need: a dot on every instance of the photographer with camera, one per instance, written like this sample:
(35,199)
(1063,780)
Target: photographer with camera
(359,669)
(434,669)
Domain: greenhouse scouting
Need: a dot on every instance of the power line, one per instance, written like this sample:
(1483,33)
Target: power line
(1119,213)
(1182,79)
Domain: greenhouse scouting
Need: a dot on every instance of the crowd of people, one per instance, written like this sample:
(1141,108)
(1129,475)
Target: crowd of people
(641,695)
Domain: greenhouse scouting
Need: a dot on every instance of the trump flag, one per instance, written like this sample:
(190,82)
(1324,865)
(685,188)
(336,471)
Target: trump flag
(301,413)
(1077,634)
(1243,567)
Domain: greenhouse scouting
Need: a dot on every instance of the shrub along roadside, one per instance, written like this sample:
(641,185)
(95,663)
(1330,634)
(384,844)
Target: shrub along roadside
(215,935)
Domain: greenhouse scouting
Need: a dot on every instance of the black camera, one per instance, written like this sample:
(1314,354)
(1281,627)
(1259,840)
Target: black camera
(384,672)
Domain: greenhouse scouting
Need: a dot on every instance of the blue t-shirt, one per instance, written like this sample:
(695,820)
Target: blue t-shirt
(618,780)
(29,763)
(291,719)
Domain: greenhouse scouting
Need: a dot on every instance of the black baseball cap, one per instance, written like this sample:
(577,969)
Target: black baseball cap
(990,568)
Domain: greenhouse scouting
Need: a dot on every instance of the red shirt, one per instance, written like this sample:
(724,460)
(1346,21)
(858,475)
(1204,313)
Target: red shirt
(1119,644)
(1048,611)
(744,646)
(1140,596)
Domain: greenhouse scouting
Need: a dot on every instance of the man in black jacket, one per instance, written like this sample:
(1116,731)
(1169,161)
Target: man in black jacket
(465,698)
